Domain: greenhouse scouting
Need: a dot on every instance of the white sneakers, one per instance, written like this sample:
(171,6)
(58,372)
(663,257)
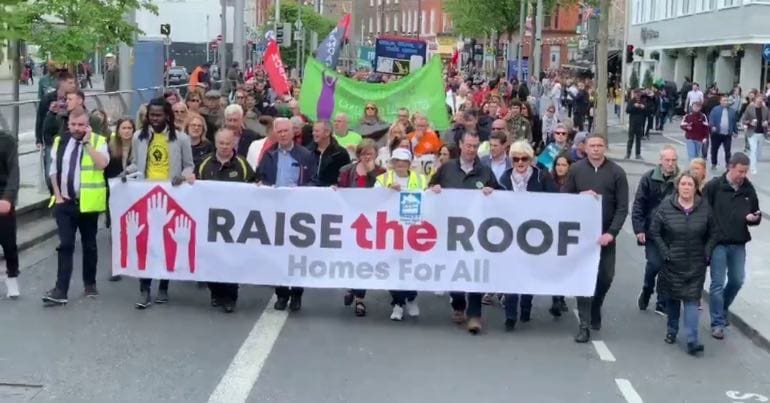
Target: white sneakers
(398,313)
(12,287)
(412,309)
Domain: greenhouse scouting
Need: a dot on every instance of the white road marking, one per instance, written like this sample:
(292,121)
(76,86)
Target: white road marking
(244,370)
(680,142)
(628,391)
(604,352)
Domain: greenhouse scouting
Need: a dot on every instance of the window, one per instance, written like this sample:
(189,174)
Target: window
(371,25)
(387,24)
(404,25)
(556,18)
(727,3)
(377,23)
(423,26)
(637,11)
(371,3)
(432,21)
(408,26)
(395,22)
(414,21)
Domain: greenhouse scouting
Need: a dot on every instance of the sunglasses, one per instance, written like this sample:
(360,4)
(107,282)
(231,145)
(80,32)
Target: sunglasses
(519,159)
(562,133)
(371,108)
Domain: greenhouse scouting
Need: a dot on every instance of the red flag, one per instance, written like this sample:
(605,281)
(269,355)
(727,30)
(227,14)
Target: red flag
(455,57)
(279,81)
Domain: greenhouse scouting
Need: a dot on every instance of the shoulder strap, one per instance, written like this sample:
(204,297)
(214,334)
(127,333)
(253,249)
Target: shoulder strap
(243,167)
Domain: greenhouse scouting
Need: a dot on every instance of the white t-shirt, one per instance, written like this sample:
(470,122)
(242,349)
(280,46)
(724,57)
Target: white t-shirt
(694,96)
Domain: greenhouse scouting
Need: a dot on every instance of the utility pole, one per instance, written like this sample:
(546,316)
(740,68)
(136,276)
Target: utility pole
(298,26)
(277,17)
(600,117)
(223,47)
(520,52)
(15,52)
(208,39)
(419,18)
(238,32)
(126,73)
(537,53)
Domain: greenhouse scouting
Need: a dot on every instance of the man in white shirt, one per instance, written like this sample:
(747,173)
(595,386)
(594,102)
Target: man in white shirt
(695,95)
(497,159)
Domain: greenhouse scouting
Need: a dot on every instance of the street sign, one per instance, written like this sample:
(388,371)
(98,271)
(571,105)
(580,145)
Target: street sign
(285,39)
(766,51)
(165,29)
(167,41)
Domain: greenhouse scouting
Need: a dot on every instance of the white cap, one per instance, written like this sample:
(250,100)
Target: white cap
(401,154)
(108,55)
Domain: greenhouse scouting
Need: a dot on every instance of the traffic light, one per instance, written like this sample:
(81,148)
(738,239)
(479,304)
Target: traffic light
(165,29)
(629,53)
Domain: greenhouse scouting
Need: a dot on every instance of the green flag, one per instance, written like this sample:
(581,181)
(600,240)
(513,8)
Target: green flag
(325,93)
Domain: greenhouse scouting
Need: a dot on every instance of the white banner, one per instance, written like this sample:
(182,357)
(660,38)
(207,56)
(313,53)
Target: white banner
(458,240)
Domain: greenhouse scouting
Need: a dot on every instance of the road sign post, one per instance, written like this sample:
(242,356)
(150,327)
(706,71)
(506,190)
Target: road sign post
(765,58)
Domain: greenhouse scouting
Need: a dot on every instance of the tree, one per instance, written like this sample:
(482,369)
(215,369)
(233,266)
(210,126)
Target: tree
(312,22)
(633,81)
(69,30)
(647,81)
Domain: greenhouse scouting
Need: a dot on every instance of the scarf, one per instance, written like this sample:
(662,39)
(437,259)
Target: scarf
(520,181)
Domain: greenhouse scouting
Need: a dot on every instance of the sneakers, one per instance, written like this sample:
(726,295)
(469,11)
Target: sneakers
(115,278)
(644,300)
(398,313)
(12,287)
(639,157)
(348,299)
(54,297)
(281,304)
(660,309)
(596,319)
(694,348)
(412,309)
(228,307)
(144,301)
(162,297)
(670,338)
(487,299)
(718,333)
(474,325)
(91,291)
(583,336)
(555,309)
(296,303)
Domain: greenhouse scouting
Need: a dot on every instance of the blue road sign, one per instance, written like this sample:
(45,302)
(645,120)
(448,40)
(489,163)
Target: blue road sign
(766,51)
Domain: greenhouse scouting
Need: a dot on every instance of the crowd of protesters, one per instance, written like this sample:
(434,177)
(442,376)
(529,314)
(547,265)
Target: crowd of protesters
(505,136)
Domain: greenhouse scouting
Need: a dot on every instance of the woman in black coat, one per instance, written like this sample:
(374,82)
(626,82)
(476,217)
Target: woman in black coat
(523,176)
(682,229)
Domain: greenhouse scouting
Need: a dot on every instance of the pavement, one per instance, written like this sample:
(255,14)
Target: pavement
(103,350)
(751,310)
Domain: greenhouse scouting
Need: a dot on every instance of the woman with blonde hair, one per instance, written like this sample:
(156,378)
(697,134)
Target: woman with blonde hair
(371,125)
(698,170)
(196,128)
(396,133)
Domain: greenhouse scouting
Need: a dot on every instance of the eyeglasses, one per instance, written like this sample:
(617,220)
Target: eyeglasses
(519,159)
(561,133)
(371,108)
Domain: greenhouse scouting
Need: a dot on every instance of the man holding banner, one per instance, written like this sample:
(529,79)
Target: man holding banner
(598,176)
(466,172)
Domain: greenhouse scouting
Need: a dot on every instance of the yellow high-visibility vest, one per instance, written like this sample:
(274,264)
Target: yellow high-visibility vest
(93,186)
(417,181)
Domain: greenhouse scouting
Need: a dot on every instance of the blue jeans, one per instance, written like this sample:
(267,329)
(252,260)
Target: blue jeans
(693,149)
(690,318)
(727,262)
(652,268)
(512,305)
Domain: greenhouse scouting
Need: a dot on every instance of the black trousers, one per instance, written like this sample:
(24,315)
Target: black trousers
(588,306)
(472,307)
(8,243)
(399,297)
(361,294)
(725,140)
(146,283)
(650,123)
(69,220)
(579,120)
(635,136)
(224,292)
(286,292)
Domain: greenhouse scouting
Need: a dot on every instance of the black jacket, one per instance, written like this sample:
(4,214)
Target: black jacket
(329,163)
(540,181)
(42,110)
(730,209)
(685,241)
(9,168)
(451,176)
(653,188)
(636,116)
(247,137)
(234,170)
(609,180)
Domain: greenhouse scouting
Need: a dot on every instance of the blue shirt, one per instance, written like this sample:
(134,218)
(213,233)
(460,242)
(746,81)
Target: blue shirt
(548,156)
(287,174)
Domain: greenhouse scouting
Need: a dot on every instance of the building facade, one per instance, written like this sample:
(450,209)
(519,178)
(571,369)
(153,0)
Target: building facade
(560,37)
(423,18)
(710,41)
